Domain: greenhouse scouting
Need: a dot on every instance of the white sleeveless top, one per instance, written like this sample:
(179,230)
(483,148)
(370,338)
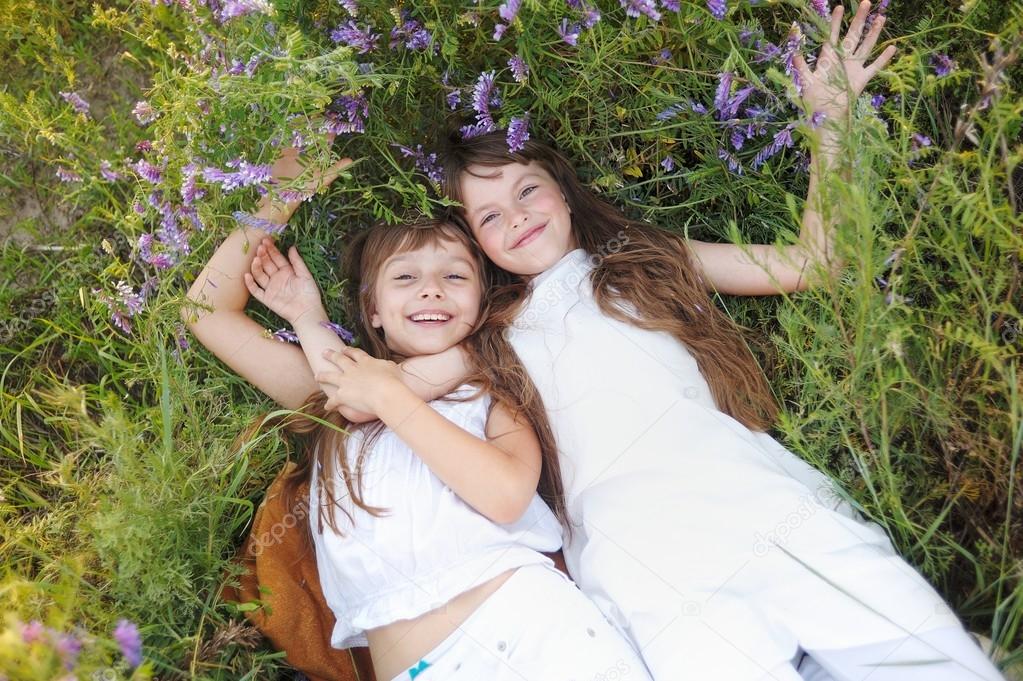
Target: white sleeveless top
(669,495)
(429,548)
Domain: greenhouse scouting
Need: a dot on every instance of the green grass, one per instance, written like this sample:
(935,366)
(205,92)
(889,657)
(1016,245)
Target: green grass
(120,493)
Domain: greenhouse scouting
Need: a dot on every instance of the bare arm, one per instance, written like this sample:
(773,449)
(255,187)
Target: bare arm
(497,476)
(766,269)
(218,320)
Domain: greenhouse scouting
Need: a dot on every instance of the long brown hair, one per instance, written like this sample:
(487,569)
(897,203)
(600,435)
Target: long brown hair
(495,370)
(649,267)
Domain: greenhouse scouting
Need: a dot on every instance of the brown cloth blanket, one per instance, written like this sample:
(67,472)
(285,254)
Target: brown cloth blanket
(280,572)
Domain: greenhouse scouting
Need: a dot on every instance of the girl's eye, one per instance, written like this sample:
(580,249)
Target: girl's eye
(403,276)
(457,276)
(527,191)
(486,219)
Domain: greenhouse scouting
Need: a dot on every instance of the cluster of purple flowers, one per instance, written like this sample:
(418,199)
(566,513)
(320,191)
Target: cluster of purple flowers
(821,8)
(344,334)
(635,8)
(413,35)
(519,68)
(108,172)
(144,112)
(76,101)
(350,115)
(569,33)
(484,95)
(232,9)
(351,35)
(508,10)
(124,305)
(782,140)
(130,641)
(245,174)
(518,133)
(717,8)
(66,175)
(942,64)
(427,164)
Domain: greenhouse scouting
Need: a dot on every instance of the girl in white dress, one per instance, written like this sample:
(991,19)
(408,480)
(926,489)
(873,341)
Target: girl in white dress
(716,550)
(436,559)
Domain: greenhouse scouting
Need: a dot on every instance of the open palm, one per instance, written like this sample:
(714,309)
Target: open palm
(841,71)
(284,285)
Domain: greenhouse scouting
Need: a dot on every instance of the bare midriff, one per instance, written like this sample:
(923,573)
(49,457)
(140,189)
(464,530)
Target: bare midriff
(400,645)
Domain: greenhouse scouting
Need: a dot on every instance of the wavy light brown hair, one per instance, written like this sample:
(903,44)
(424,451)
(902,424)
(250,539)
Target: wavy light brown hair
(495,369)
(641,264)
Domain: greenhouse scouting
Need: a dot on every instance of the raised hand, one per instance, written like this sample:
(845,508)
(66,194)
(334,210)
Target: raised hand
(284,285)
(841,71)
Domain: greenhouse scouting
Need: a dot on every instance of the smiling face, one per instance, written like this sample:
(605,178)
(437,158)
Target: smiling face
(518,214)
(428,299)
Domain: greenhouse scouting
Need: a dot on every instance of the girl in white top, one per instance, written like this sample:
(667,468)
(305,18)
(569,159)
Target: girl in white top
(715,549)
(436,557)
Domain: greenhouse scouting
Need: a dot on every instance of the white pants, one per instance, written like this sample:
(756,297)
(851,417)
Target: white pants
(537,626)
(947,654)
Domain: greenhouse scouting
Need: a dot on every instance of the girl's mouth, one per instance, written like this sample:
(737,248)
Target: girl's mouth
(529,236)
(430,318)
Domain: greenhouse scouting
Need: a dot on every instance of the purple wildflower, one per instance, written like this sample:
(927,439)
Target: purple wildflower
(32,632)
(737,138)
(144,112)
(160,261)
(518,133)
(190,191)
(746,35)
(942,65)
(285,336)
(668,163)
(723,90)
(509,9)
(793,45)
(147,171)
(918,141)
(232,9)
(68,647)
(107,171)
(350,5)
(591,16)
(877,101)
(122,308)
(482,93)
(634,8)
(717,8)
(477,129)
(183,344)
(570,34)
(344,334)
(246,175)
(454,98)
(65,175)
(733,163)
(817,119)
(821,8)
(731,108)
(144,147)
(499,30)
(252,222)
(671,5)
(127,636)
(519,68)
(671,112)
(425,163)
(766,51)
(360,39)
(354,109)
(413,35)
(782,139)
(574,4)
(76,101)
(697,107)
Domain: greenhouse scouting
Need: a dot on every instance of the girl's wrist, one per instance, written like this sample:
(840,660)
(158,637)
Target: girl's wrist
(313,316)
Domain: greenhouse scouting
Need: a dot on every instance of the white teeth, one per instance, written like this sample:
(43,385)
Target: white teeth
(430,317)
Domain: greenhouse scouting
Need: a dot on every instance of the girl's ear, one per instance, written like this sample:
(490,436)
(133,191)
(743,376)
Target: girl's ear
(375,321)
(569,207)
